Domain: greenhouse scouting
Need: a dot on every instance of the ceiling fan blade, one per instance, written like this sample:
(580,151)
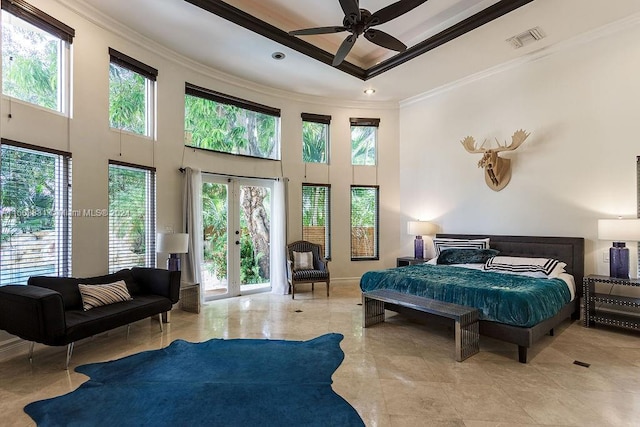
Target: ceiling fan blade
(385,40)
(318,30)
(344,49)
(351,9)
(394,10)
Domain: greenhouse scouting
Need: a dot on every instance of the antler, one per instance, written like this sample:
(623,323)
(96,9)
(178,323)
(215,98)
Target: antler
(469,144)
(517,139)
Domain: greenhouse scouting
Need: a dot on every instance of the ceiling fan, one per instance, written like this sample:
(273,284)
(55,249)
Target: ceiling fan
(359,21)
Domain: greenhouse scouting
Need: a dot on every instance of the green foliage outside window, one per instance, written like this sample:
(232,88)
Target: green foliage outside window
(30,63)
(28,191)
(127,100)
(363,145)
(222,127)
(314,205)
(127,217)
(314,142)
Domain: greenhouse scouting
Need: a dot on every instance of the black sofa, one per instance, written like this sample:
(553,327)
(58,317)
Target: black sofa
(48,310)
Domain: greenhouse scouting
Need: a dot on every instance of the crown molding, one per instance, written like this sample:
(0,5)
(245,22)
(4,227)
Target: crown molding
(554,49)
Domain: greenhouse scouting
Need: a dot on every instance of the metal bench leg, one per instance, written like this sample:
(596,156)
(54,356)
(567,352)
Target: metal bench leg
(160,321)
(467,332)
(166,317)
(372,311)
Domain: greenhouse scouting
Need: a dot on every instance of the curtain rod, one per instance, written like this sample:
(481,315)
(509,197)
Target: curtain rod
(182,170)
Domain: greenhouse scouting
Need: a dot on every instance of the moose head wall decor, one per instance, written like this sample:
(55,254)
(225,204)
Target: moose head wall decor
(497,170)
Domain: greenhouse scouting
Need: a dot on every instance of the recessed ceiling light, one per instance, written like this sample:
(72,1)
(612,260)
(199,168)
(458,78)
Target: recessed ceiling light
(278,56)
(369,91)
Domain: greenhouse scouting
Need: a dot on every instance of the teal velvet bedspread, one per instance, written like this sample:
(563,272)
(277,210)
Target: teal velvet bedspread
(504,298)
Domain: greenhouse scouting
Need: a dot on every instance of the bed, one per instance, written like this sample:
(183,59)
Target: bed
(569,250)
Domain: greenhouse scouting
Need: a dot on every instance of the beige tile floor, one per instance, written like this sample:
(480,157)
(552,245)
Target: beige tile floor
(399,373)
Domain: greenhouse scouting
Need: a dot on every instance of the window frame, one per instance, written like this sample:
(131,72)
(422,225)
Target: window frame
(376,236)
(62,205)
(318,119)
(327,208)
(365,122)
(150,256)
(150,75)
(221,98)
(28,13)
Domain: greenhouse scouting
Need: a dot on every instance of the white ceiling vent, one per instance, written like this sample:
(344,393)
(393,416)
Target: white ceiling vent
(527,37)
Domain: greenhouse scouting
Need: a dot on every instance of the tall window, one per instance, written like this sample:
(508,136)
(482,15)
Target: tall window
(364,223)
(316,219)
(315,138)
(35,56)
(131,94)
(219,122)
(132,216)
(364,139)
(36,216)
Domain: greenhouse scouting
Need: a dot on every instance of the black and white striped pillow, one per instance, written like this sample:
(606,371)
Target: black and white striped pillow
(440,244)
(535,267)
(98,295)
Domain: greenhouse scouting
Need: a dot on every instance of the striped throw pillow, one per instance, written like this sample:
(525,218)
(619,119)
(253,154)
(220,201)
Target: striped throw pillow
(441,243)
(98,295)
(534,267)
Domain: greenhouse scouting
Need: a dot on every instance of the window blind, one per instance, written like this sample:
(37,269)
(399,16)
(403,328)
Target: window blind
(212,95)
(316,118)
(36,212)
(364,223)
(132,216)
(35,16)
(316,215)
(132,64)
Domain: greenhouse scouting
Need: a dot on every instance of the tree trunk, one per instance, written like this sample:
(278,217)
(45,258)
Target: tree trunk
(258,223)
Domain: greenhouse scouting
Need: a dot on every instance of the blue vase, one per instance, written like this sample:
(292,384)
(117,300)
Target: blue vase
(619,261)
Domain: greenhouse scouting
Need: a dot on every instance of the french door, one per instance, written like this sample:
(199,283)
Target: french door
(236,220)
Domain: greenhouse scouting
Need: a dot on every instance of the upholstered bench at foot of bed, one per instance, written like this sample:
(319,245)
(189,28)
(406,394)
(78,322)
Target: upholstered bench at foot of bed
(467,331)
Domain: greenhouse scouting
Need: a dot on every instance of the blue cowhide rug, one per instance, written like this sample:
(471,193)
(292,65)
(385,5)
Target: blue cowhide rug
(238,382)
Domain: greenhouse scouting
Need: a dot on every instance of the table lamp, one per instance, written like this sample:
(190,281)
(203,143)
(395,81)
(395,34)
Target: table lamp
(419,229)
(619,231)
(173,244)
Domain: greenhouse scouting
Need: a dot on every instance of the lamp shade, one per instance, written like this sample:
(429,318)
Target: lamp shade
(619,230)
(174,243)
(420,228)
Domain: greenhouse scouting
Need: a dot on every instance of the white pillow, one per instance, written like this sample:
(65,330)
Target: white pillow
(440,244)
(302,260)
(532,267)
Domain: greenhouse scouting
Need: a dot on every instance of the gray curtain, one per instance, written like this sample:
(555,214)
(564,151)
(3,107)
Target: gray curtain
(192,217)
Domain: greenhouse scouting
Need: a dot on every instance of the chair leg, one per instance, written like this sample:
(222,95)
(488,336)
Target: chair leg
(293,291)
(69,353)
(31,347)
(312,285)
(327,289)
(160,320)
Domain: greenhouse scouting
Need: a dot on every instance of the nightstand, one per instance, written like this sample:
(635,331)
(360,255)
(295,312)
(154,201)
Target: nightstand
(409,260)
(607,309)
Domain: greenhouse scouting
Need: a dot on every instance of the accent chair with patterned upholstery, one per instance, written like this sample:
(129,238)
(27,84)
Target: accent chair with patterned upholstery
(306,265)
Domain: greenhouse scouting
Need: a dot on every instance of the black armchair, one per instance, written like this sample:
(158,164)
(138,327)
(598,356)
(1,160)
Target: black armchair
(309,267)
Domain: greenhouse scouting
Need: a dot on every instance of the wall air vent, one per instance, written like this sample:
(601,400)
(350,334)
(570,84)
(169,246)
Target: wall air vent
(527,37)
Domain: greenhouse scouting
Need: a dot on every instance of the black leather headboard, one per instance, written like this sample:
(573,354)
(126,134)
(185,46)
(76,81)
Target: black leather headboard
(566,249)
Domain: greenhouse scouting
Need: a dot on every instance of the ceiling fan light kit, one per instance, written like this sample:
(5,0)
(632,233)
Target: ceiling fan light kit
(359,22)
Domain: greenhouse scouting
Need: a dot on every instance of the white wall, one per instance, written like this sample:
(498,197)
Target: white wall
(581,105)
(92,143)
